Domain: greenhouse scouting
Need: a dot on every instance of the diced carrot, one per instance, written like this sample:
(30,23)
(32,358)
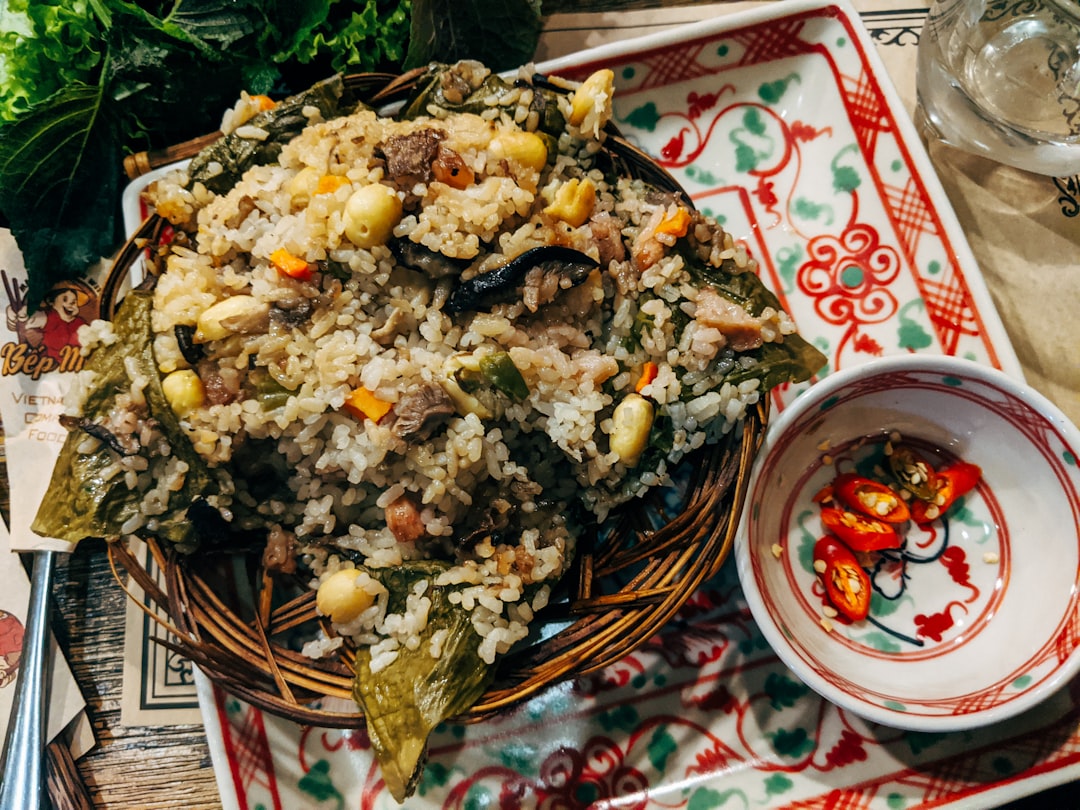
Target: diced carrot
(329,183)
(675,224)
(361,403)
(648,374)
(265,102)
(292,266)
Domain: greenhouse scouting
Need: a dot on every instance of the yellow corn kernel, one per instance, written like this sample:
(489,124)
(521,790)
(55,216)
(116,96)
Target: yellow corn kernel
(184,391)
(343,596)
(598,88)
(574,202)
(371,214)
(525,148)
(631,423)
(236,315)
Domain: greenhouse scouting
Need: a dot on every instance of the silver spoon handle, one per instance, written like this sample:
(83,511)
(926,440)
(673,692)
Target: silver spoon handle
(22,786)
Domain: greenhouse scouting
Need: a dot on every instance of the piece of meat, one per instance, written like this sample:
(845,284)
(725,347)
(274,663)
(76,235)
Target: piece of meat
(409,157)
(404,521)
(279,556)
(607,236)
(742,330)
(420,412)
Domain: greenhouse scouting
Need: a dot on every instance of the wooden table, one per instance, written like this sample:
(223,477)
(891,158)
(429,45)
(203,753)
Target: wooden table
(171,767)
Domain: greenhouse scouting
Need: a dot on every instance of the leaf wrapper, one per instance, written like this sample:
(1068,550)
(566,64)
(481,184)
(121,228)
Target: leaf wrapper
(404,702)
(235,154)
(82,501)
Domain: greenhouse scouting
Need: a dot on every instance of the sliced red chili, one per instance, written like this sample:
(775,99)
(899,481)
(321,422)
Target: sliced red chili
(871,498)
(847,585)
(859,532)
(950,483)
(913,472)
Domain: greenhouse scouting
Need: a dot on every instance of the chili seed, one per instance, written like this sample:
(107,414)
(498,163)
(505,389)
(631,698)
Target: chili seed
(826,624)
(829,611)
(990,557)
(777,550)
(820,566)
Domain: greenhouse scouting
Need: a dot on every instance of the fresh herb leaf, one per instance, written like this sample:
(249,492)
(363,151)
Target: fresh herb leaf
(54,215)
(503,34)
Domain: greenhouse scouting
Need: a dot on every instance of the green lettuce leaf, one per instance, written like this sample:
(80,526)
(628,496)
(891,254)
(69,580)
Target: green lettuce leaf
(404,702)
(83,502)
(45,45)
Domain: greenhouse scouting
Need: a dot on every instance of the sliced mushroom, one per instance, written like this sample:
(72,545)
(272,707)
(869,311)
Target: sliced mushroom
(429,262)
(547,269)
(126,446)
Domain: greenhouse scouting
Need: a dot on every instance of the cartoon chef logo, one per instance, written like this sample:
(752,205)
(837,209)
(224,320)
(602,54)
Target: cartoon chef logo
(11,639)
(47,339)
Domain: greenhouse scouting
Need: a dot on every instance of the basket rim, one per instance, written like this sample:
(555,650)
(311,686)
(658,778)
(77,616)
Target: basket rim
(670,561)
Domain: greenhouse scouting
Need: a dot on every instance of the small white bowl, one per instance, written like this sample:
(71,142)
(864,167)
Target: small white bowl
(978,620)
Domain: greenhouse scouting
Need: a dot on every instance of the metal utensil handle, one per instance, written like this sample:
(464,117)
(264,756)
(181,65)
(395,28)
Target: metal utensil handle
(22,785)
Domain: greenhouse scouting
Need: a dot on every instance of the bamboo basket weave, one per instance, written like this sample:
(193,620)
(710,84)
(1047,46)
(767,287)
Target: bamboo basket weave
(235,620)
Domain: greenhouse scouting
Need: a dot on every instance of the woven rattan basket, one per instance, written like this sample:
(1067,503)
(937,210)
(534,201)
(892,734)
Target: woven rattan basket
(235,620)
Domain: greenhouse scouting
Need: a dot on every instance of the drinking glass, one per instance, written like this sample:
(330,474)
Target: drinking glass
(1002,80)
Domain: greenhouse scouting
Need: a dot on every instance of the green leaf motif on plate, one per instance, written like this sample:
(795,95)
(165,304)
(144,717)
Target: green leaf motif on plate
(624,718)
(919,741)
(911,334)
(806,541)
(1022,682)
(813,211)
(644,117)
(479,798)
(783,692)
(793,744)
(777,784)
(879,641)
(1069,458)
(707,798)
(661,746)
(788,260)
(752,146)
(520,757)
(845,178)
(435,775)
(895,801)
(772,92)
(880,606)
(317,784)
(749,645)
(699,174)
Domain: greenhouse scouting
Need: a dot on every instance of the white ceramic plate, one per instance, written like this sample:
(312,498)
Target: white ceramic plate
(782,122)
